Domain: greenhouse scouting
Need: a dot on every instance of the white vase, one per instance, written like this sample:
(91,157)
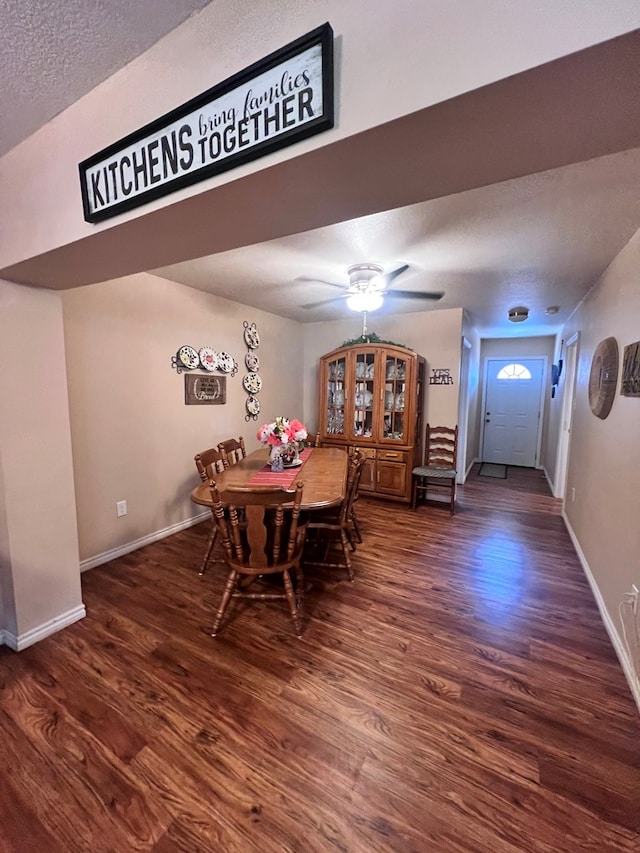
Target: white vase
(275,458)
(290,454)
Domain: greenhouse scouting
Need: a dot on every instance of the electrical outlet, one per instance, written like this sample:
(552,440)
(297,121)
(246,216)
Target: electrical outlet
(121,508)
(573,494)
(634,597)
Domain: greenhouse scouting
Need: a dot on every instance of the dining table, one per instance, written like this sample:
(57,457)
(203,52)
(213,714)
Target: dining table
(323,473)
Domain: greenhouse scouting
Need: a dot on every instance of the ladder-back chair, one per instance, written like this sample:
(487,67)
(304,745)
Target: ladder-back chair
(438,474)
(233,450)
(336,525)
(209,463)
(261,535)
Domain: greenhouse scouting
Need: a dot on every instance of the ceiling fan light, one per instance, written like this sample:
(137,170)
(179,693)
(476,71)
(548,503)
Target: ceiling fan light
(365,301)
(519,314)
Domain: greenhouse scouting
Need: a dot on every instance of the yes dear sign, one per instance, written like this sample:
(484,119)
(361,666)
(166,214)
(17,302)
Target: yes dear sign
(277,101)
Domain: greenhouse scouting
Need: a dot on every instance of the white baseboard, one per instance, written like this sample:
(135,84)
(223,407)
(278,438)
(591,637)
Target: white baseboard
(627,665)
(23,641)
(468,471)
(120,551)
(549,481)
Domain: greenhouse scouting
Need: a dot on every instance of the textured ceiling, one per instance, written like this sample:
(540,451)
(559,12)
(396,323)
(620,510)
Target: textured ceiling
(536,241)
(52,52)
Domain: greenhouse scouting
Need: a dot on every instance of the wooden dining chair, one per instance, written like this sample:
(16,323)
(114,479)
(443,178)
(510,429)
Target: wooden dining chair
(233,450)
(262,535)
(335,526)
(209,463)
(438,474)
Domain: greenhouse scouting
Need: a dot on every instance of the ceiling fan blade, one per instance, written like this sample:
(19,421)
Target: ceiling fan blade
(389,277)
(431,296)
(321,281)
(325,301)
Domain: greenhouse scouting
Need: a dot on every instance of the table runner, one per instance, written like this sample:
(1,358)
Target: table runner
(266,477)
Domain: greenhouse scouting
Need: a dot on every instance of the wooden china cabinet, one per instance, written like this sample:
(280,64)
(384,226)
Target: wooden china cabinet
(371,397)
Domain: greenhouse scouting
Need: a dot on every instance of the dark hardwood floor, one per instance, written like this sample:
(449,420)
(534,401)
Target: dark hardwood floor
(460,695)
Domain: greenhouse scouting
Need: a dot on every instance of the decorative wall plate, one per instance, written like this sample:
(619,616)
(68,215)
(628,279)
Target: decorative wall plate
(188,358)
(253,407)
(252,362)
(252,383)
(603,377)
(251,336)
(226,362)
(208,358)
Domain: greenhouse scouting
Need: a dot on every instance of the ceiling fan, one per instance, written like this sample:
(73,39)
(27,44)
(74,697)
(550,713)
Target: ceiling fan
(369,286)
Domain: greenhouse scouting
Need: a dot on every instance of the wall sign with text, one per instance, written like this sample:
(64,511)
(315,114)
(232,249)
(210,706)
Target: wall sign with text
(630,385)
(282,99)
(202,390)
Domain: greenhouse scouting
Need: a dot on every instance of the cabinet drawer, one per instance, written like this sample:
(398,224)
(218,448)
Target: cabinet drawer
(367,452)
(392,456)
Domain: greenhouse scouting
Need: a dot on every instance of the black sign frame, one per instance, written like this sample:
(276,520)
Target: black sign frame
(322,36)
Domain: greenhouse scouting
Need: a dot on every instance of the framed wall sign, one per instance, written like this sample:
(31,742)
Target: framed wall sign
(630,386)
(201,390)
(279,100)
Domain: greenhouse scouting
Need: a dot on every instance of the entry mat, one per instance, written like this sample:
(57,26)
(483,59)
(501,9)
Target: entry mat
(492,469)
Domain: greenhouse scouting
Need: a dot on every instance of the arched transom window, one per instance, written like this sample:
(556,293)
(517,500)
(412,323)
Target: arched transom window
(514,371)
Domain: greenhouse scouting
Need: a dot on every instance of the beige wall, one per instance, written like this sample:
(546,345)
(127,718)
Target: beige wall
(474,393)
(523,348)
(604,463)
(133,437)
(432,334)
(40,177)
(39,574)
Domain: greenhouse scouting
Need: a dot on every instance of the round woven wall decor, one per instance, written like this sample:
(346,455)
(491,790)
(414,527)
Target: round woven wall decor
(603,378)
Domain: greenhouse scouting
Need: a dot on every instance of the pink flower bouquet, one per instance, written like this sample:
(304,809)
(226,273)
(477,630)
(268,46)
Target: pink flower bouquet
(282,432)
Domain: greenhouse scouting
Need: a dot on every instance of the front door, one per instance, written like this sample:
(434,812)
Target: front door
(512,411)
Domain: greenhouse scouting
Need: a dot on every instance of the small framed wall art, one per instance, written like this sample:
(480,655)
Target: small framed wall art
(204,390)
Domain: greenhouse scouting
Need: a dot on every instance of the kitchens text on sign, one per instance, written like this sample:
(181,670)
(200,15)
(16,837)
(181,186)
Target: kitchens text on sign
(286,97)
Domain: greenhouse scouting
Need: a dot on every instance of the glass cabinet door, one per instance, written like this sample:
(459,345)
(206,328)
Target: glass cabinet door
(363,394)
(395,375)
(336,371)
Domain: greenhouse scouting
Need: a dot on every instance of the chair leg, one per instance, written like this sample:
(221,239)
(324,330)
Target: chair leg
(414,492)
(229,589)
(351,539)
(345,550)
(295,602)
(212,541)
(453,498)
(356,526)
